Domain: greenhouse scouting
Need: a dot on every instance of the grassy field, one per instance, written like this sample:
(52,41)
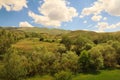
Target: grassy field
(103,75)
(30,44)
(46,77)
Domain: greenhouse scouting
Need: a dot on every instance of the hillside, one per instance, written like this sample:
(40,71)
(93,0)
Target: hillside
(44,30)
(54,54)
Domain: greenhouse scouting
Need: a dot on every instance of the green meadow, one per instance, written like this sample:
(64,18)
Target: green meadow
(102,75)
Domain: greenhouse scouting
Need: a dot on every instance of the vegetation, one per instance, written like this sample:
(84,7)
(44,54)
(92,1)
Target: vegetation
(65,55)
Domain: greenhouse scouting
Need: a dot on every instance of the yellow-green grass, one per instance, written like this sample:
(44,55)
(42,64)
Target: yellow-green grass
(30,44)
(46,77)
(103,75)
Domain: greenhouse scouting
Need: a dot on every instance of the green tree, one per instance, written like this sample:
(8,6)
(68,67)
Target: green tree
(70,62)
(14,65)
(84,61)
(82,43)
(108,54)
(95,59)
(116,46)
(67,42)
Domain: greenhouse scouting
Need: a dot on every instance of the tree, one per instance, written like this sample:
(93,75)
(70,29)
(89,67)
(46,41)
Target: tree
(108,54)
(70,61)
(84,61)
(82,43)
(61,50)
(67,42)
(45,64)
(91,60)
(14,65)
(116,46)
(95,59)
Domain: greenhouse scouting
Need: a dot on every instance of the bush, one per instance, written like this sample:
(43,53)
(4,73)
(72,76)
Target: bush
(63,75)
(96,59)
(69,62)
(14,66)
(84,61)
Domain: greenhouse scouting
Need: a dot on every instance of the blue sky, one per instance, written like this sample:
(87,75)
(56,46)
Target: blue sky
(94,15)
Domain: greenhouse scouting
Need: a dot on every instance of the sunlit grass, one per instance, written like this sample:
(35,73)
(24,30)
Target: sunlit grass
(102,75)
(46,77)
(31,44)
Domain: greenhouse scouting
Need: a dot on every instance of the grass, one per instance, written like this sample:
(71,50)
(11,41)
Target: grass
(46,77)
(30,44)
(103,75)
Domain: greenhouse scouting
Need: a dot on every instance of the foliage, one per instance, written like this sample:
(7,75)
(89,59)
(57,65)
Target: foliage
(59,54)
(8,37)
(14,65)
(82,43)
(67,42)
(70,62)
(95,59)
(91,60)
(116,46)
(109,55)
(63,75)
(84,61)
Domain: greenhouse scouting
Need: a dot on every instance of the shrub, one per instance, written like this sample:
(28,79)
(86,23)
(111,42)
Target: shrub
(14,68)
(63,75)
(84,61)
(96,59)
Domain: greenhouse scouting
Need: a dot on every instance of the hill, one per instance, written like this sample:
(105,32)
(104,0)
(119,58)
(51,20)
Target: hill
(44,30)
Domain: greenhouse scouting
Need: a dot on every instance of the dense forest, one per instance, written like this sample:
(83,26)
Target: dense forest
(25,52)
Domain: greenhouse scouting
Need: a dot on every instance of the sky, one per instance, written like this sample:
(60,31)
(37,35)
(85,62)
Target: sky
(93,15)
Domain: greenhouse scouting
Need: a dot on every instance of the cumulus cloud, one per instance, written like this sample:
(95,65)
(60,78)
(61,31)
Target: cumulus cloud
(13,5)
(109,6)
(96,17)
(54,13)
(25,24)
(112,6)
(104,25)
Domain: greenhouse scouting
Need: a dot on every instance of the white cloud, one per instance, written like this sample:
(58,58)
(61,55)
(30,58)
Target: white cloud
(25,24)
(81,16)
(85,21)
(112,7)
(104,25)
(95,9)
(13,5)
(54,13)
(105,18)
(96,17)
